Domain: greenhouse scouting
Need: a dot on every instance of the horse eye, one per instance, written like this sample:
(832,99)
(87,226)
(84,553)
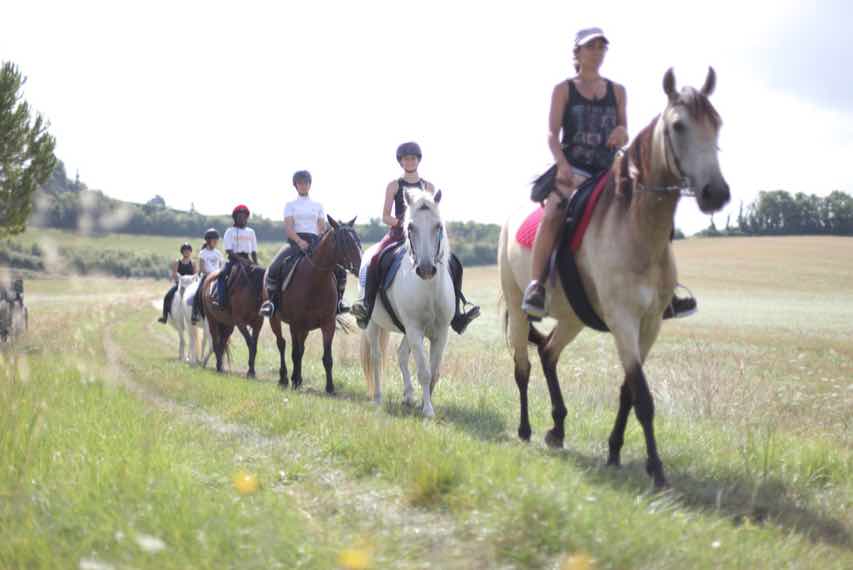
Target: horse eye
(678,126)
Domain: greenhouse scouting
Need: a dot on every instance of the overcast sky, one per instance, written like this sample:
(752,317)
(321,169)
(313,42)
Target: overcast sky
(215,103)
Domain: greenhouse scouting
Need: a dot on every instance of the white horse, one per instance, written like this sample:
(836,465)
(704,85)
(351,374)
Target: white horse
(179,315)
(422,298)
(197,354)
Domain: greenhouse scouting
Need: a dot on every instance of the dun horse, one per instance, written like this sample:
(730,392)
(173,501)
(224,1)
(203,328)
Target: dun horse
(245,285)
(625,260)
(311,299)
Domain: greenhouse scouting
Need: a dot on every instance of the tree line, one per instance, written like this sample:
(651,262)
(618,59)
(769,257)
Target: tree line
(779,212)
(69,204)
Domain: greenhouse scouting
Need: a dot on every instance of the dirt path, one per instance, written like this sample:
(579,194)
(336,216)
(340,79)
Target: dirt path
(377,507)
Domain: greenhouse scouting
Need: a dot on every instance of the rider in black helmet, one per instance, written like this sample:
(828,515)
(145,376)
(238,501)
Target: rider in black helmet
(408,157)
(210,259)
(182,266)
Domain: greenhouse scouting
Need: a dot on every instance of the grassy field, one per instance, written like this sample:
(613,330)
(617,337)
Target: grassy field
(114,455)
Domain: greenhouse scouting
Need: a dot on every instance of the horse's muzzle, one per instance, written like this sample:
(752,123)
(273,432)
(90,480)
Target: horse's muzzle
(712,197)
(426,271)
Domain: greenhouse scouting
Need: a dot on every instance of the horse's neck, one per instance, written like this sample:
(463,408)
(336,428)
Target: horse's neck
(653,212)
(323,257)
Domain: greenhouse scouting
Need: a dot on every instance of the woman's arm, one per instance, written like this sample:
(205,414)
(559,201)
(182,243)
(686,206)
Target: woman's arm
(387,218)
(290,229)
(559,98)
(619,136)
(174,268)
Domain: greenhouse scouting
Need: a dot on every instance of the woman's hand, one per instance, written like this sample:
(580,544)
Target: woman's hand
(618,137)
(564,179)
(303,245)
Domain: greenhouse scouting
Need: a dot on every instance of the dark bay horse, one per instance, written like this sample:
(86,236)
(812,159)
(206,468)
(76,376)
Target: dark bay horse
(625,260)
(245,286)
(311,299)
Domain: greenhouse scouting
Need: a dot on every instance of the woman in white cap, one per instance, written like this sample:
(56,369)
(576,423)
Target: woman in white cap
(590,111)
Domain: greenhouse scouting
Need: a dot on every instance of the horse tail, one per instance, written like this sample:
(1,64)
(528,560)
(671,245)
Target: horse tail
(366,361)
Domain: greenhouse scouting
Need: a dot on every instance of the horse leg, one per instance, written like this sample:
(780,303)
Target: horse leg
(518,333)
(415,339)
(275,325)
(253,348)
(248,337)
(549,354)
(297,338)
(328,335)
(632,352)
(403,353)
(436,352)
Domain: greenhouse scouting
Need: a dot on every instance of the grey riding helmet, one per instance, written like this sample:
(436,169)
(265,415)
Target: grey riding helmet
(408,149)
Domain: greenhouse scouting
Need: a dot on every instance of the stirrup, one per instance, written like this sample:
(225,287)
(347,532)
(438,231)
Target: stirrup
(267,309)
(461,321)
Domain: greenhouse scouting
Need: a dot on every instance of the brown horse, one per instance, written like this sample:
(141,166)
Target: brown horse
(245,285)
(311,299)
(625,260)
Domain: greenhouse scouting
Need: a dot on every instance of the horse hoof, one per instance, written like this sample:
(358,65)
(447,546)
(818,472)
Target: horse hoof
(524,433)
(282,384)
(613,462)
(553,441)
(330,391)
(250,375)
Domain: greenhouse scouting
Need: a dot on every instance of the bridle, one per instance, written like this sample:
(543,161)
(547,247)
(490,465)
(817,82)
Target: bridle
(337,237)
(673,164)
(438,258)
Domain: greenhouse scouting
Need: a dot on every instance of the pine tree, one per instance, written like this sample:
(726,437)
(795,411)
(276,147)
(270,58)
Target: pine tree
(26,153)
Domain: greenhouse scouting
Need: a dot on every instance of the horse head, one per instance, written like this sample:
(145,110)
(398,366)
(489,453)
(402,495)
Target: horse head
(691,129)
(425,232)
(347,245)
(184,281)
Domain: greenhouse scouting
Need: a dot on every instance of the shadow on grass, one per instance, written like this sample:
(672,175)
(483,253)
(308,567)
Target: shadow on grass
(480,422)
(739,498)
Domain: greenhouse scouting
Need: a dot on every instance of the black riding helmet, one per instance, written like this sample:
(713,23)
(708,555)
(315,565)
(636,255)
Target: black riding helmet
(211,234)
(408,149)
(301,176)
(185,247)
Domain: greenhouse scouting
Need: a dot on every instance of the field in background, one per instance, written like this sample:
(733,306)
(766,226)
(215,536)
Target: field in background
(753,399)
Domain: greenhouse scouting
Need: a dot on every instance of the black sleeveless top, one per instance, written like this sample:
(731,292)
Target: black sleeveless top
(399,199)
(185,268)
(586,125)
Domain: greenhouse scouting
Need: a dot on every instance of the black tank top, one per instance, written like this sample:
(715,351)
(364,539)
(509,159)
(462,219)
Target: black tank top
(586,125)
(399,199)
(185,268)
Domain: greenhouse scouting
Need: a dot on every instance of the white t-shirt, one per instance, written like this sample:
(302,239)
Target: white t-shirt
(211,260)
(240,240)
(305,213)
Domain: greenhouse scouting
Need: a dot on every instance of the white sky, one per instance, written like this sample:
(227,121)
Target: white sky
(215,103)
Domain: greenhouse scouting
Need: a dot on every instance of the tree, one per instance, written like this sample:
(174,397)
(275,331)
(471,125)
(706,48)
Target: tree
(26,153)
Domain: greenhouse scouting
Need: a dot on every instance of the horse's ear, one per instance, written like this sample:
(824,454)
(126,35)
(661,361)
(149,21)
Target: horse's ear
(669,84)
(437,197)
(710,82)
(332,222)
(351,222)
(407,197)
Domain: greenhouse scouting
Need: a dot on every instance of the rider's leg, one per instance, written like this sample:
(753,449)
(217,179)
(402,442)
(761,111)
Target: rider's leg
(167,304)
(461,317)
(222,285)
(546,235)
(341,277)
(273,283)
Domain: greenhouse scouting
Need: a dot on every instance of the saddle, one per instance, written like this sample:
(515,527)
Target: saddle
(387,267)
(578,216)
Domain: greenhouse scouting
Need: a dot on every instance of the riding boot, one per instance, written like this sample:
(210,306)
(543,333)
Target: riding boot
(196,310)
(681,307)
(461,318)
(221,297)
(363,309)
(271,305)
(341,278)
(167,304)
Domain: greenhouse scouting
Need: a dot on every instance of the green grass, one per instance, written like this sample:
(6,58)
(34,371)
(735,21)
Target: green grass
(753,398)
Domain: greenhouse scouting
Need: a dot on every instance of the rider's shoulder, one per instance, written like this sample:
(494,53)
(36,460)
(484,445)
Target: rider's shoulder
(393,185)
